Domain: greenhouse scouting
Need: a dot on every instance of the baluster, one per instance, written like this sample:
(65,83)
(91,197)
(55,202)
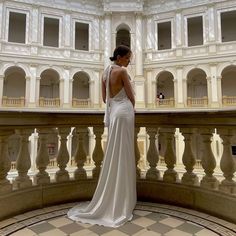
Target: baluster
(208,160)
(152,155)
(188,158)
(227,162)
(23,162)
(42,159)
(80,154)
(97,152)
(63,155)
(137,153)
(5,164)
(170,175)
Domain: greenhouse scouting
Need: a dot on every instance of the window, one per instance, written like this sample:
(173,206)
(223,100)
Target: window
(123,37)
(228,30)
(195,31)
(81,36)
(164,35)
(51,32)
(17,27)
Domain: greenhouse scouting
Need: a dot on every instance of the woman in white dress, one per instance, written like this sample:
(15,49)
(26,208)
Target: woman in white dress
(115,196)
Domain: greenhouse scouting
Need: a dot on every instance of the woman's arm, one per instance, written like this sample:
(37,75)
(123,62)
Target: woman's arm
(104,91)
(127,86)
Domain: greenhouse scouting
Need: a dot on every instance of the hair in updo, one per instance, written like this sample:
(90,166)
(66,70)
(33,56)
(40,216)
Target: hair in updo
(120,50)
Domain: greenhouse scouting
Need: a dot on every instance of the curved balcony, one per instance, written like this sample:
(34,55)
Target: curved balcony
(31,189)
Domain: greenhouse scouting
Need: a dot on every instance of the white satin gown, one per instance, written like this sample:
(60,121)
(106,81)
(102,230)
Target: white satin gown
(115,197)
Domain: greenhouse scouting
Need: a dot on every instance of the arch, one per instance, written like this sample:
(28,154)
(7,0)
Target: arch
(80,88)
(228,81)
(41,69)
(222,66)
(14,84)
(49,84)
(204,68)
(123,26)
(165,84)
(123,35)
(196,83)
(6,66)
(87,72)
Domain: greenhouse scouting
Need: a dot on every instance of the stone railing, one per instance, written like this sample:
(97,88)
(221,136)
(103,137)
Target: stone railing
(229,100)
(197,102)
(205,192)
(166,102)
(49,102)
(81,103)
(13,102)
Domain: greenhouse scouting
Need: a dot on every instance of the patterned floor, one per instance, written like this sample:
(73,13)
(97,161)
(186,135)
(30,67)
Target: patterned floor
(149,220)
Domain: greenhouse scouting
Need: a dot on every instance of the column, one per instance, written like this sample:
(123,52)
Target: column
(96,89)
(178,33)
(214,89)
(32,98)
(151,85)
(181,88)
(37,90)
(27,90)
(107,39)
(1,88)
(175,81)
(66,89)
(209,93)
(1,15)
(211,28)
(70,92)
(150,45)
(61,91)
(139,79)
(219,89)
(67,31)
(96,35)
(35,26)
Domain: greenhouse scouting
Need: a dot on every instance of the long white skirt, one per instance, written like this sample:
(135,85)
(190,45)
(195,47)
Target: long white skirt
(115,196)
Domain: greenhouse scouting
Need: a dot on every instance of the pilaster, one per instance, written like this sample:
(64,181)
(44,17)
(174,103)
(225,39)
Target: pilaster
(107,39)
(1,88)
(27,90)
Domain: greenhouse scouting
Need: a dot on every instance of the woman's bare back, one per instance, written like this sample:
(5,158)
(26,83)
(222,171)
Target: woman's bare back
(116,82)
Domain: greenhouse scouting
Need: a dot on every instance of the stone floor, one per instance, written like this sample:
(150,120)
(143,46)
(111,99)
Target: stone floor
(150,219)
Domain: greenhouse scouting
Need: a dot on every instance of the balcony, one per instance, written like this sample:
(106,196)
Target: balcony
(191,188)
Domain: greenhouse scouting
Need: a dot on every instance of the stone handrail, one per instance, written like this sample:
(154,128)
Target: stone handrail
(189,190)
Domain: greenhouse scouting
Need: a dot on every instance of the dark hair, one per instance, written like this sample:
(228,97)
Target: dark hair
(120,50)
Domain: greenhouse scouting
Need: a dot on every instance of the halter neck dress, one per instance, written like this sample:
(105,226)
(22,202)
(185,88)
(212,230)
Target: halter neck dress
(115,196)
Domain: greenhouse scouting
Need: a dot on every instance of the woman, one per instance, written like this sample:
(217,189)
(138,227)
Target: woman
(115,196)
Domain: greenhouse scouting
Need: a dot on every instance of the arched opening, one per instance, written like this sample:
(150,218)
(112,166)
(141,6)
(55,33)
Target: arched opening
(123,35)
(197,88)
(80,90)
(165,89)
(49,89)
(14,87)
(228,83)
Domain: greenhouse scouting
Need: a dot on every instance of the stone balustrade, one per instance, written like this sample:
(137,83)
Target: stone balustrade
(34,190)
